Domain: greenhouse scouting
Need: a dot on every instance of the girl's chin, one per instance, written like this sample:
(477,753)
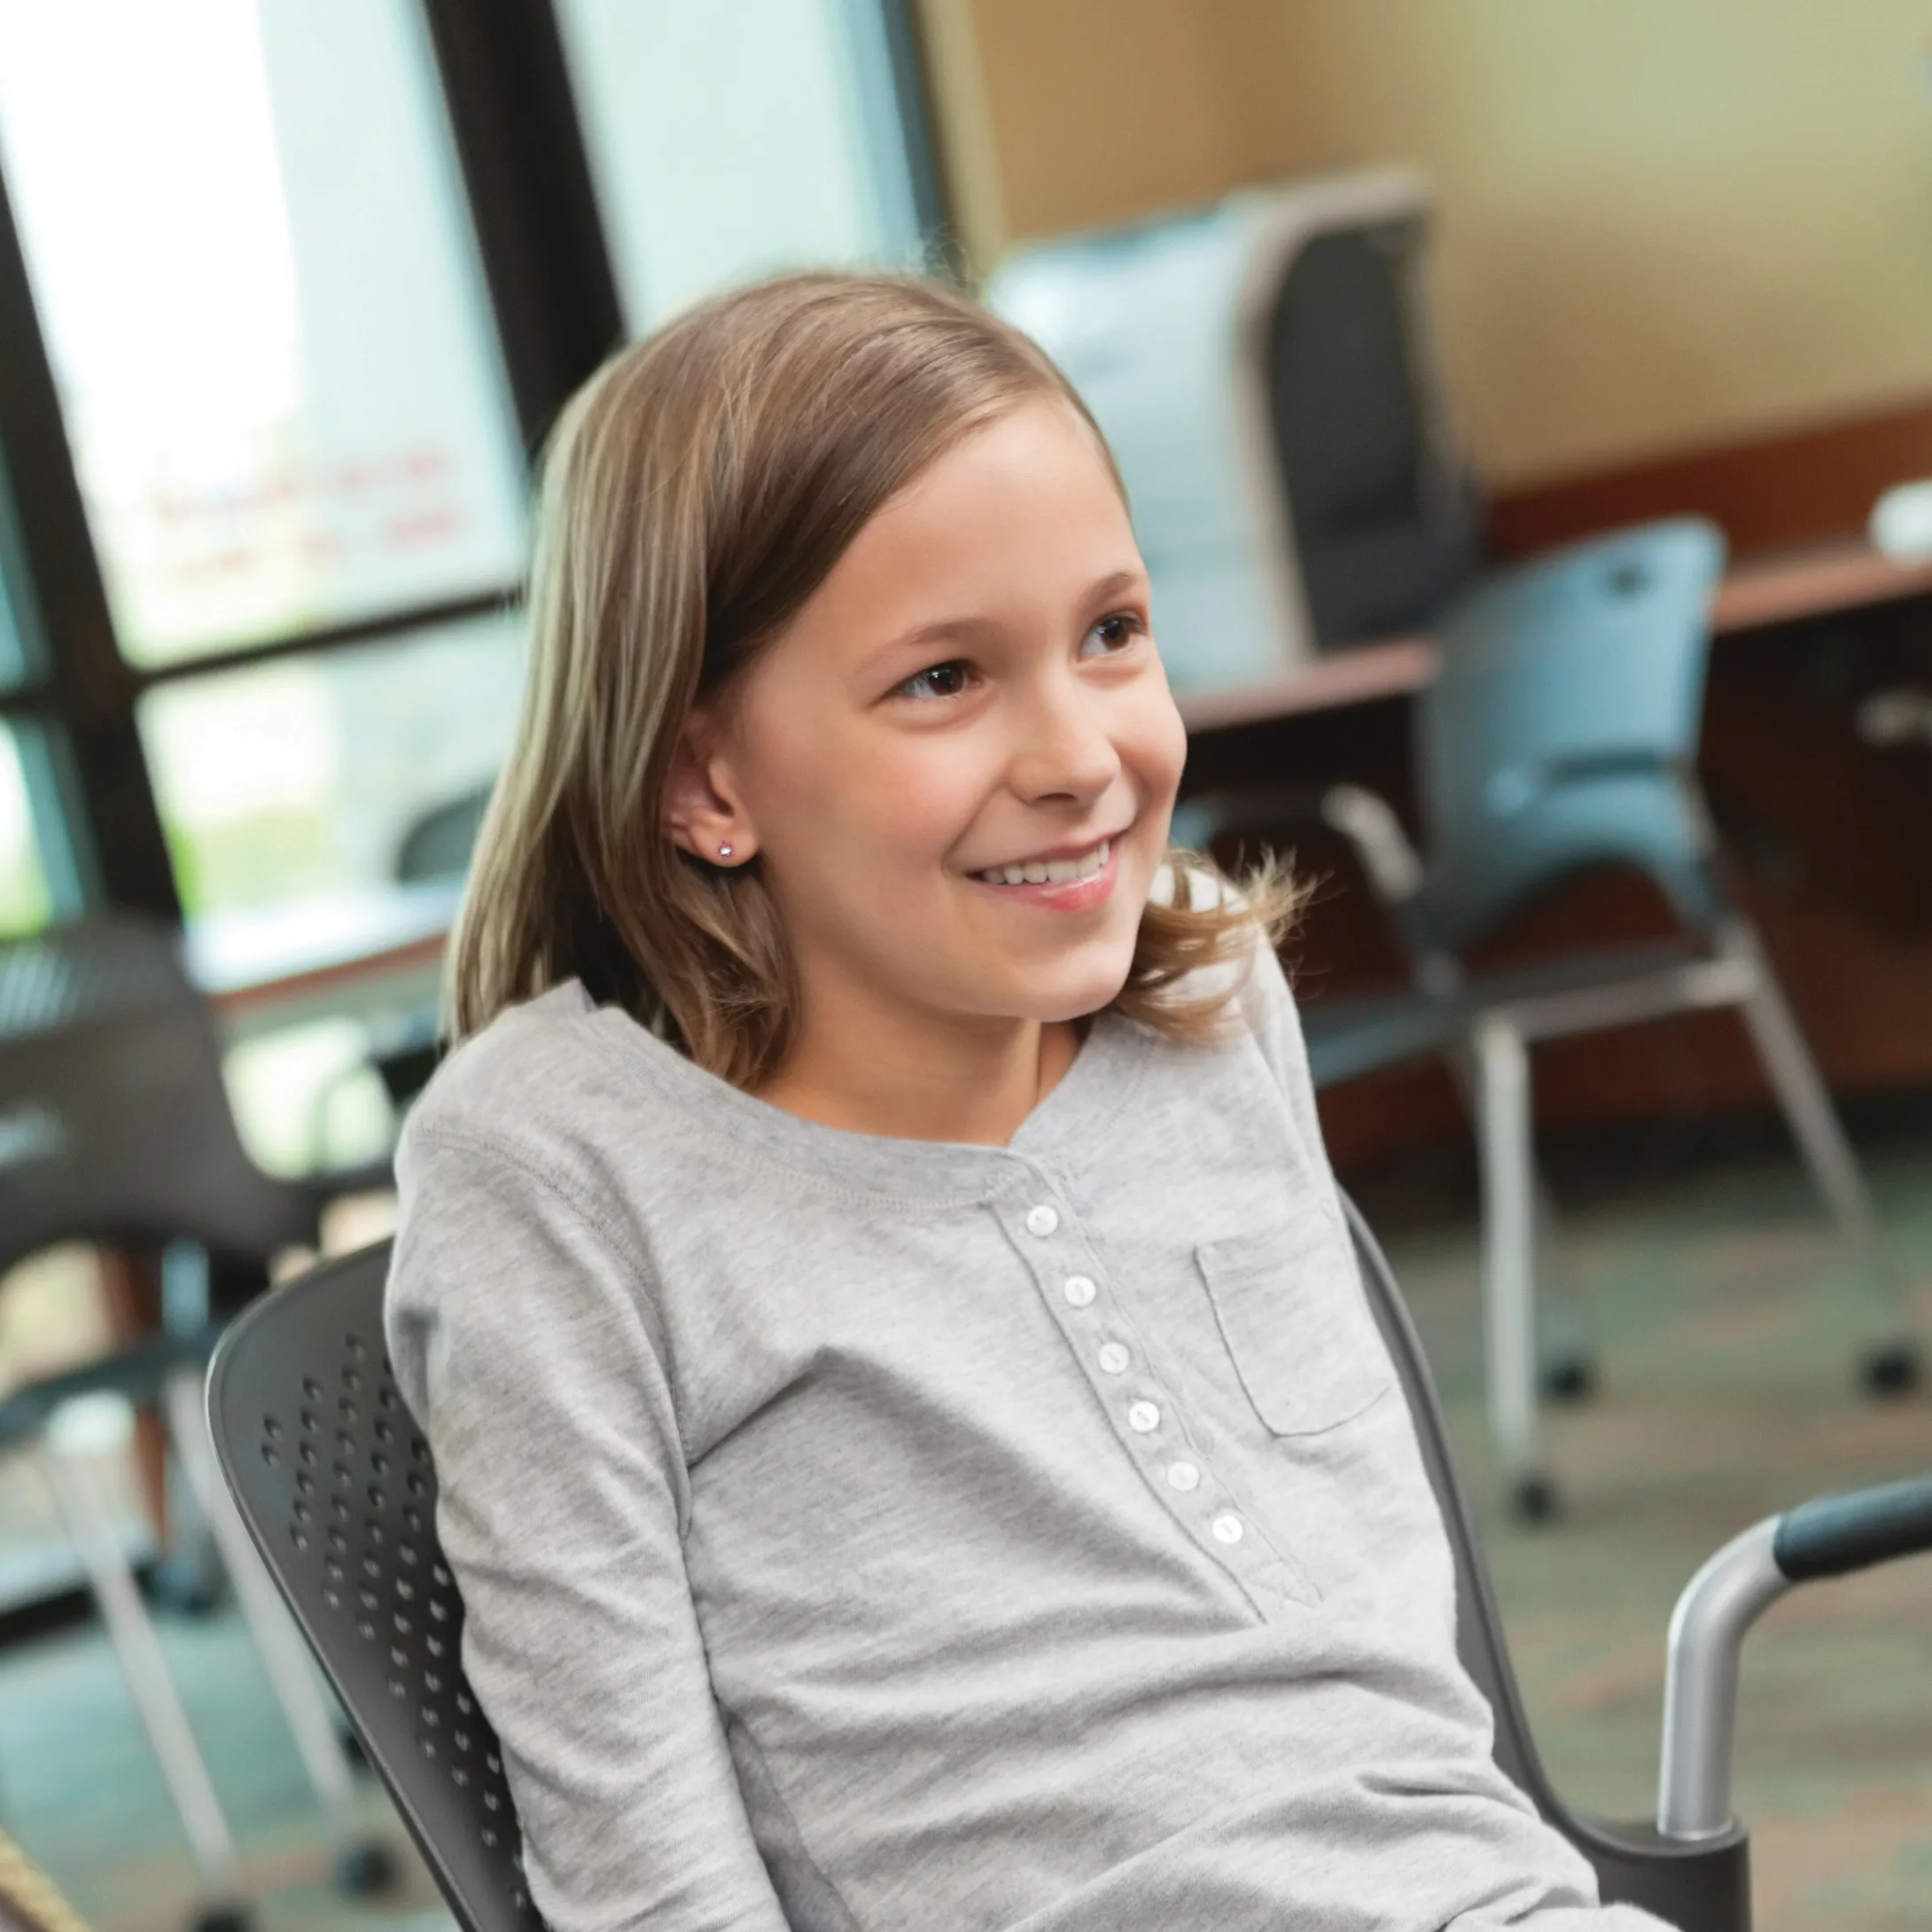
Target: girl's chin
(1074,992)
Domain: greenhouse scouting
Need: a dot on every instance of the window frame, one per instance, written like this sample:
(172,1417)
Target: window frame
(555,307)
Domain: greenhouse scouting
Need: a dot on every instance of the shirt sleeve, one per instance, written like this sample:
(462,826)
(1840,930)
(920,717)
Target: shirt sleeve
(520,1344)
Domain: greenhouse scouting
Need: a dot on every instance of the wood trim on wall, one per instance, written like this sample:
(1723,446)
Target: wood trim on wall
(1801,487)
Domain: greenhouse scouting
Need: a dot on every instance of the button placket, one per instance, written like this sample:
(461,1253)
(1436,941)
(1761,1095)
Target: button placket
(1146,1416)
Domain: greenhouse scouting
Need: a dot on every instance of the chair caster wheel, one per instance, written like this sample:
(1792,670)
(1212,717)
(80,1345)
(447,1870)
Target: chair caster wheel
(1534,1499)
(364,1869)
(1570,1378)
(1891,1368)
(229,1917)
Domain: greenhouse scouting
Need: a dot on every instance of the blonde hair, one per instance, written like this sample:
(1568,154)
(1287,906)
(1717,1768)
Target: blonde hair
(695,492)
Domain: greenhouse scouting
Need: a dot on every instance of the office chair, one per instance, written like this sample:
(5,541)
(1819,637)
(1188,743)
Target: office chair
(1263,372)
(338,1490)
(1560,736)
(115,1127)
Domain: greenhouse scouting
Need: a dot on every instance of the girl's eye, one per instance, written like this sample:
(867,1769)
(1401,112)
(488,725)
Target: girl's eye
(1111,634)
(946,680)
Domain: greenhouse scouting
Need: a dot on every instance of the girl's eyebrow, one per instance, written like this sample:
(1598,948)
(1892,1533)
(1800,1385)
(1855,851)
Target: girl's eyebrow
(953,630)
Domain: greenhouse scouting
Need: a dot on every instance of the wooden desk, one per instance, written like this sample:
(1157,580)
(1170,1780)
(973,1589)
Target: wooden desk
(1756,592)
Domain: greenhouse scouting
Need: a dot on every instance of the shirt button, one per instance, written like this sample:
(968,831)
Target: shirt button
(1114,1358)
(1041,1220)
(1142,1417)
(1183,1476)
(1227,1528)
(1079,1290)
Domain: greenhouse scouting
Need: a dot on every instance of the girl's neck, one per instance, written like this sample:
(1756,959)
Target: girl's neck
(909,1079)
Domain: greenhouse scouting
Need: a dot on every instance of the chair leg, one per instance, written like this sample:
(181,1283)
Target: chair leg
(363,1865)
(1503,1128)
(1893,1364)
(1566,1346)
(83,1510)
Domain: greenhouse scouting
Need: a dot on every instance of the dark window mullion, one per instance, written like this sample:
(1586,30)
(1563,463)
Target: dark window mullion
(905,48)
(106,796)
(412,622)
(538,230)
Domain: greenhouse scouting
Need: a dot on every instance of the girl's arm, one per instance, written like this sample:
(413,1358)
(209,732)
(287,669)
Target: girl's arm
(515,1325)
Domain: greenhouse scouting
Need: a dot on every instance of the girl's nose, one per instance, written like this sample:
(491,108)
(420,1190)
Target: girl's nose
(1064,751)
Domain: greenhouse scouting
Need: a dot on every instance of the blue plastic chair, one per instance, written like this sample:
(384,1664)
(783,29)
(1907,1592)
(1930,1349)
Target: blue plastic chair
(1559,736)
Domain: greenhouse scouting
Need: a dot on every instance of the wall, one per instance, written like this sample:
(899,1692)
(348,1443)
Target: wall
(1665,222)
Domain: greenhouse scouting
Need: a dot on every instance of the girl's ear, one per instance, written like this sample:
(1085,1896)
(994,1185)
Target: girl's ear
(702,813)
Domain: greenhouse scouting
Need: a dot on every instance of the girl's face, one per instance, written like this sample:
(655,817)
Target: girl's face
(957,764)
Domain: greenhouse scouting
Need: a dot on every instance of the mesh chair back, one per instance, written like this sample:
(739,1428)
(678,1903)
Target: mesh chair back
(338,1492)
(114,1122)
(1560,725)
(1386,523)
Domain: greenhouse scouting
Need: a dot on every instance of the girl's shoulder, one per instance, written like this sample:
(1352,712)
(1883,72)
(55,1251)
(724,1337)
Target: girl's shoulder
(539,1086)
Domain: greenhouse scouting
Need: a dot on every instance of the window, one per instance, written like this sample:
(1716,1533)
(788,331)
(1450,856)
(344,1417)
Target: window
(304,775)
(254,273)
(733,142)
(24,902)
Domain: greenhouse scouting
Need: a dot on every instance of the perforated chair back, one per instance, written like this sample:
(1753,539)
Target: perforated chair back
(336,1487)
(115,1122)
(338,1490)
(1561,725)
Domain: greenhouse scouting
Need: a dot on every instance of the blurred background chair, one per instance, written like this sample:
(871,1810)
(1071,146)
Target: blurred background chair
(115,1129)
(1559,736)
(1264,374)
(381,1608)
(404,1048)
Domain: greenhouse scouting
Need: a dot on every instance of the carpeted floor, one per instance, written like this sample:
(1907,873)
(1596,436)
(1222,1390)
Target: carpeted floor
(1726,1330)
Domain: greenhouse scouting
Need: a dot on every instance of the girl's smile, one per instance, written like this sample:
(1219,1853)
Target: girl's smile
(1067,879)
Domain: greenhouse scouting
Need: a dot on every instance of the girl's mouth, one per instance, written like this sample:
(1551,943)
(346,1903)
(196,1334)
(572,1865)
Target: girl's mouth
(1069,885)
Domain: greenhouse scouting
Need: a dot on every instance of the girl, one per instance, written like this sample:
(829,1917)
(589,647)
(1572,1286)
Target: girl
(914,1448)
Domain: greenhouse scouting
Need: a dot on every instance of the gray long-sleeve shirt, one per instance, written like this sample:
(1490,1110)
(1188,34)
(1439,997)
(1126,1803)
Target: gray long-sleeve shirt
(865,1535)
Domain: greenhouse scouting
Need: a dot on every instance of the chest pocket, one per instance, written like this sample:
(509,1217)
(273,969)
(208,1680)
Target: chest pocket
(1291,1309)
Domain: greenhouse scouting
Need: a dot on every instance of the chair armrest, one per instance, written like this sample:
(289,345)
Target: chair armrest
(1364,818)
(1367,820)
(1830,1536)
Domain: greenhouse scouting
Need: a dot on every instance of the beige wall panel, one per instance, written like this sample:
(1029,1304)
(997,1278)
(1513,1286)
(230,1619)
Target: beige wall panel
(1666,222)
(1104,109)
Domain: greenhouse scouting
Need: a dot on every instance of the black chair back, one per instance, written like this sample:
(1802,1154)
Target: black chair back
(336,1484)
(114,1122)
(1386,523)
(338,1490)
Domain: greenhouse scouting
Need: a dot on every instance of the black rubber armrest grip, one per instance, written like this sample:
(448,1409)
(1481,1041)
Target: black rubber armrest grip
(1837,1534)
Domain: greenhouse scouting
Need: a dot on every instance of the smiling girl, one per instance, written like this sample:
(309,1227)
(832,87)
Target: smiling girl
(913,1445)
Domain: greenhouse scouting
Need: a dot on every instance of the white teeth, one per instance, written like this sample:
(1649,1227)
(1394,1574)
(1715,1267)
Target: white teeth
(1051,871)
